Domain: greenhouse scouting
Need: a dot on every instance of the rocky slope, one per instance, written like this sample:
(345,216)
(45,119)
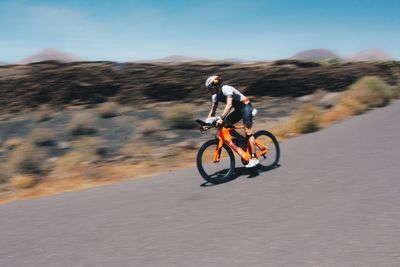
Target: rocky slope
(58,84)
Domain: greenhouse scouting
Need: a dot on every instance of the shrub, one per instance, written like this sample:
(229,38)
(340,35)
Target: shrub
(27,159)
(337,113)
(396,90)
(369,91)
(352,103)
(5,175)
(23,181)
(180,117)
(108,110)
(69,163)
(82,124)
(149,127)
(331,61)
(85,151)
(90,147)
(44,113)
(42,137)
(13,143)
(305,120)
(138,150)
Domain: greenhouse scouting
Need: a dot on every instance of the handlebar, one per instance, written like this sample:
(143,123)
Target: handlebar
(212,123)
(205,125)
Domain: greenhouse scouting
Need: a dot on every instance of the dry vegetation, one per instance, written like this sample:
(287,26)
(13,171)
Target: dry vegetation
(27,158)
(86,151)
(368,92)
(23,181)
(43,113)
(41,137)
(305,120)
(82,124)
(108,110)
(180,117)
(12,143)
(30,172)
(138,150)
(150,127)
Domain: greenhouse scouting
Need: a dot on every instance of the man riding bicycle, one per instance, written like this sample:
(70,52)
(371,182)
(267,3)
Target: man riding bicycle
(242,110)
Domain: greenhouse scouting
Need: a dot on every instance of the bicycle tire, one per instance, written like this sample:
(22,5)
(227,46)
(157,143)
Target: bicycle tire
(267,166)
(200,164)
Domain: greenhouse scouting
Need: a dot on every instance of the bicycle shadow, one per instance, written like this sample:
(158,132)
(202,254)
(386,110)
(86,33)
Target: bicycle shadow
(242,171)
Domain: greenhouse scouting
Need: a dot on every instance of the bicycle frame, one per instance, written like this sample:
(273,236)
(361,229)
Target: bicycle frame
(224,136)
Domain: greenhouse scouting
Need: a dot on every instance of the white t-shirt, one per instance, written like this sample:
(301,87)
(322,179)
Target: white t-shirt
(226,91)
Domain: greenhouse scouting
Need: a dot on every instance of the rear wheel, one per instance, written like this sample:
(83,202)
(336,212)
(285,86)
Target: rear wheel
(215,172)
(267,140)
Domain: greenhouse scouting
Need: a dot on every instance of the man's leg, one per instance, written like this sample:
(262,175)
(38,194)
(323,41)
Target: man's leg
(234,117)
(252,141)
(248,124)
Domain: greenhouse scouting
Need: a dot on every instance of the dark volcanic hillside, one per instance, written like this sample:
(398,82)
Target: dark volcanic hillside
(58,84)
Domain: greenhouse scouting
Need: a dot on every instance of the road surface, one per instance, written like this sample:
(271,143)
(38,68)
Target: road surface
(335,201)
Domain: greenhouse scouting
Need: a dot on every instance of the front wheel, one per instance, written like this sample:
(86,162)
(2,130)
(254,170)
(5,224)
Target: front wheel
(213,171)
(268,149)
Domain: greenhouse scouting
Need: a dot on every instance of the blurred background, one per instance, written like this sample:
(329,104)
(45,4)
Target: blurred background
(100,91)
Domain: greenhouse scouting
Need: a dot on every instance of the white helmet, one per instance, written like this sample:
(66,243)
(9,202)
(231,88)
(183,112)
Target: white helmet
(213,82)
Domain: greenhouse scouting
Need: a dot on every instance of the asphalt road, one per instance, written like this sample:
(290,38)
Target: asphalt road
(335,201)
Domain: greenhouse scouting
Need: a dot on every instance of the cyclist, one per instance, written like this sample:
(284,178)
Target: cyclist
(242,110)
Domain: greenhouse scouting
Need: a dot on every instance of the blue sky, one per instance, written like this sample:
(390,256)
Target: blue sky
(252,30)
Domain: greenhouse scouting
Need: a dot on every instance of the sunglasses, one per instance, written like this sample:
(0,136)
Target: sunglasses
(213,86)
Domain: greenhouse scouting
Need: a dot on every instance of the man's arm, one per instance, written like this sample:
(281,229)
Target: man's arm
(213,110)
(228,106)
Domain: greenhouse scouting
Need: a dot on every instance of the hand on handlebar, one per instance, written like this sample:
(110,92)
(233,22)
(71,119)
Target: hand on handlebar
(204,128)
(220,122)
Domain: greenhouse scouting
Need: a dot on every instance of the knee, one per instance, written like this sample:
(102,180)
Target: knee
(248,131)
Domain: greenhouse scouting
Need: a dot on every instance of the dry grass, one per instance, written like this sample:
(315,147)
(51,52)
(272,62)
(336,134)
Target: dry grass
(396,90)
(138,150)
(305,120)
(110,173)
(5,174)
(27,159)
(179,116)
(43,113)
(149,127)
(41,137)
(367,92)
(23,181)
(108,110)
(13,143)
(82,124)
(90,146)
(86,151)
(337,113)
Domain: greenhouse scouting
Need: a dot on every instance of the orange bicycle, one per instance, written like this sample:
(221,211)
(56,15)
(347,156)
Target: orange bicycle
(216,161)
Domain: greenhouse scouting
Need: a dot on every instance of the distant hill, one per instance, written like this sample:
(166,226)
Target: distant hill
(3,63)
(50,54)
(185,59)
(316,55)
(176,59)
(370,55)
